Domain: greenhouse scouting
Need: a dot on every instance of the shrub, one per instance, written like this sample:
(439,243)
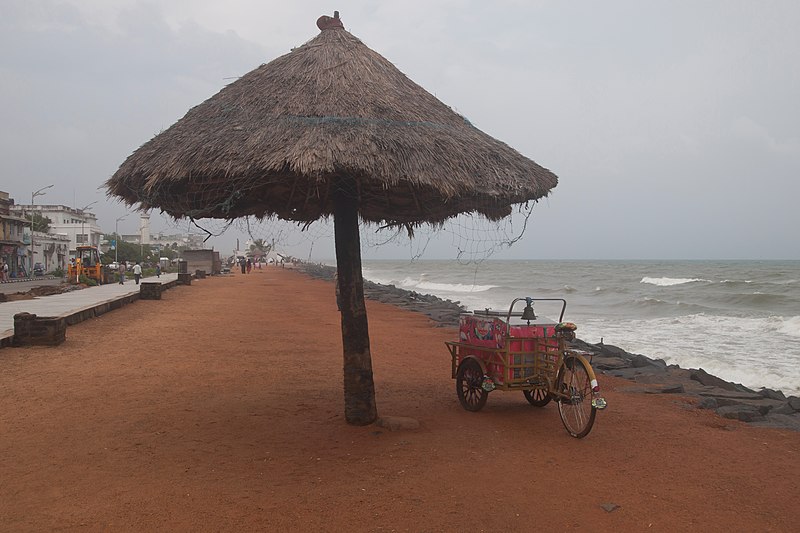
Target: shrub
(87,281)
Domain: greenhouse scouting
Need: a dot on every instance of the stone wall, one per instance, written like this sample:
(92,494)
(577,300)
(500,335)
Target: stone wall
(32,330)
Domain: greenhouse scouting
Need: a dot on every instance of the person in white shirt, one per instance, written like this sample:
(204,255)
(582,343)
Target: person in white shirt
(137,272)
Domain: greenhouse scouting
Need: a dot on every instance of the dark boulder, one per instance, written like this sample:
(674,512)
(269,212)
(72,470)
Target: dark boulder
(772,394)
(708,403)
(744,413)
(703,377)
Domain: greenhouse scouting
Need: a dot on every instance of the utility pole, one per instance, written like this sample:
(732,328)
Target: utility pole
(33,196)
(116,239)
(83,220)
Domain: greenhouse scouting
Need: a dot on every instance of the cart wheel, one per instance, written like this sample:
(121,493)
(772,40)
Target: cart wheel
(469,378)
(537,397)
(576,411)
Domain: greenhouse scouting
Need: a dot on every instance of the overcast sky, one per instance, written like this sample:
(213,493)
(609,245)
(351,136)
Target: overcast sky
(674,126)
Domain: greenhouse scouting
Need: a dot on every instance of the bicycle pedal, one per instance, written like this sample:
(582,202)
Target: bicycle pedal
(599,403)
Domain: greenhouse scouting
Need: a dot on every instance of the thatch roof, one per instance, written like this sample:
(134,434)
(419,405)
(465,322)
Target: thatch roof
(275,141)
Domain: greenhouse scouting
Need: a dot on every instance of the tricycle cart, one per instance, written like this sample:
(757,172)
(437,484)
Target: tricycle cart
(516,351)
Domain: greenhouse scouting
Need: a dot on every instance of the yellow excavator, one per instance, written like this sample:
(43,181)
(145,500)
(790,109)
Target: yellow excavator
(86,263)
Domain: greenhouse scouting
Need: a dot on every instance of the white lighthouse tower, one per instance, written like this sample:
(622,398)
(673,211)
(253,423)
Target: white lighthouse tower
(144,228)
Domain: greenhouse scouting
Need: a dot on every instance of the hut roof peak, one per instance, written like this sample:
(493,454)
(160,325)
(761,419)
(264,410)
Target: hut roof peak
(330,23)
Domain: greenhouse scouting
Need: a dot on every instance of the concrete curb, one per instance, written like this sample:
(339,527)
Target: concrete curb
(85,312)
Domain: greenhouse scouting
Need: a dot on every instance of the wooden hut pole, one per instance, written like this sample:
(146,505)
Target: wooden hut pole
(359,388)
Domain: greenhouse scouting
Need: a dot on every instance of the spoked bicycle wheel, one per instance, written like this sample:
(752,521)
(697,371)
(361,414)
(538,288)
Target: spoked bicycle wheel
(574,384)
(469,381)
(537,397)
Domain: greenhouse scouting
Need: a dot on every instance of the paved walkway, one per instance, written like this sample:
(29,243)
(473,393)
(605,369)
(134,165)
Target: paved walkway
(70,302)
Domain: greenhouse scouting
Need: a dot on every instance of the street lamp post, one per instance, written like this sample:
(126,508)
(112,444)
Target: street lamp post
(83,217)
(34,194)
(116,239)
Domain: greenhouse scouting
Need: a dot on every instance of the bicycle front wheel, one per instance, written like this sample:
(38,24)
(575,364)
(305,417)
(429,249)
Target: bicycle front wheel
(574,385)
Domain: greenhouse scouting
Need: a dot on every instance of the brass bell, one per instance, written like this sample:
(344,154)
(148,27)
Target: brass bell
(527,313)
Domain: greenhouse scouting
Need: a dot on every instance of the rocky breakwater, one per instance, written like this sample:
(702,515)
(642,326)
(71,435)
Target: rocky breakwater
(765,407)
(444,313)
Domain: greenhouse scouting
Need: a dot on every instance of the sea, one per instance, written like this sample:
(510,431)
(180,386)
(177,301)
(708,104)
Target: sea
(738,320)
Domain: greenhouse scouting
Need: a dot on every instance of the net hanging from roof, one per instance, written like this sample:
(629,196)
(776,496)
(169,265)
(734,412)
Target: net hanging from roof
(467,238)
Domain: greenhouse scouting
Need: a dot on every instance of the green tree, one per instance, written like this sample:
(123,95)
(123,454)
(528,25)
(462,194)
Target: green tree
(40,223)
(129,251)
(168,253)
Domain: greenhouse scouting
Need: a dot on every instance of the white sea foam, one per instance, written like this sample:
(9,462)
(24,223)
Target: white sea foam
(420,284)
(789,326)
(666,282)
(453,287)
(757,352)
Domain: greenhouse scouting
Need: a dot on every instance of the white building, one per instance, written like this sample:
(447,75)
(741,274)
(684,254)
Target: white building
(191,241)
(51,250)
(79,226)
(160,241)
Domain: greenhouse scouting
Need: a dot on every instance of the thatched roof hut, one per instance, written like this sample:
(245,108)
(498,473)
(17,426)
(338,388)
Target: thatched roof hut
(275,141)
(331,128)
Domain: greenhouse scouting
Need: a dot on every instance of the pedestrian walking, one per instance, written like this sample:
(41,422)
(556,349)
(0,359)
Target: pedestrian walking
(243,265)
(4,272)
(122,269)
(137,272)
(249,265)
(158,270)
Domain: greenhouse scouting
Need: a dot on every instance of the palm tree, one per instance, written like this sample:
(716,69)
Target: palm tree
(259,248)
(259,244)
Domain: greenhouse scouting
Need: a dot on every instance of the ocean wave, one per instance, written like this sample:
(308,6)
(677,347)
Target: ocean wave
(667,282)
(655,303)
(609,290)
(422,285)
(539,291)
(753,299)
(789,326)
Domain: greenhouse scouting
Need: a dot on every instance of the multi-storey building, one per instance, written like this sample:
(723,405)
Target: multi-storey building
(78,225)
(15,236)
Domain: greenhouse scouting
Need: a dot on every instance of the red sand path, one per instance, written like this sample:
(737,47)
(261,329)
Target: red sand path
(220,408)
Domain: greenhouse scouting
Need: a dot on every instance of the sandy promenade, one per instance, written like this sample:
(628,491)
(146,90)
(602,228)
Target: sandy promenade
(219,408)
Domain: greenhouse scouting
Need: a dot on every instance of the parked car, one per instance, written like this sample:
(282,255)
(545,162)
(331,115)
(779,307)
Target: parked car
(38,269)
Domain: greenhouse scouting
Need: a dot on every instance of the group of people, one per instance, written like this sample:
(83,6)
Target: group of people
(248,265)
(137,272)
